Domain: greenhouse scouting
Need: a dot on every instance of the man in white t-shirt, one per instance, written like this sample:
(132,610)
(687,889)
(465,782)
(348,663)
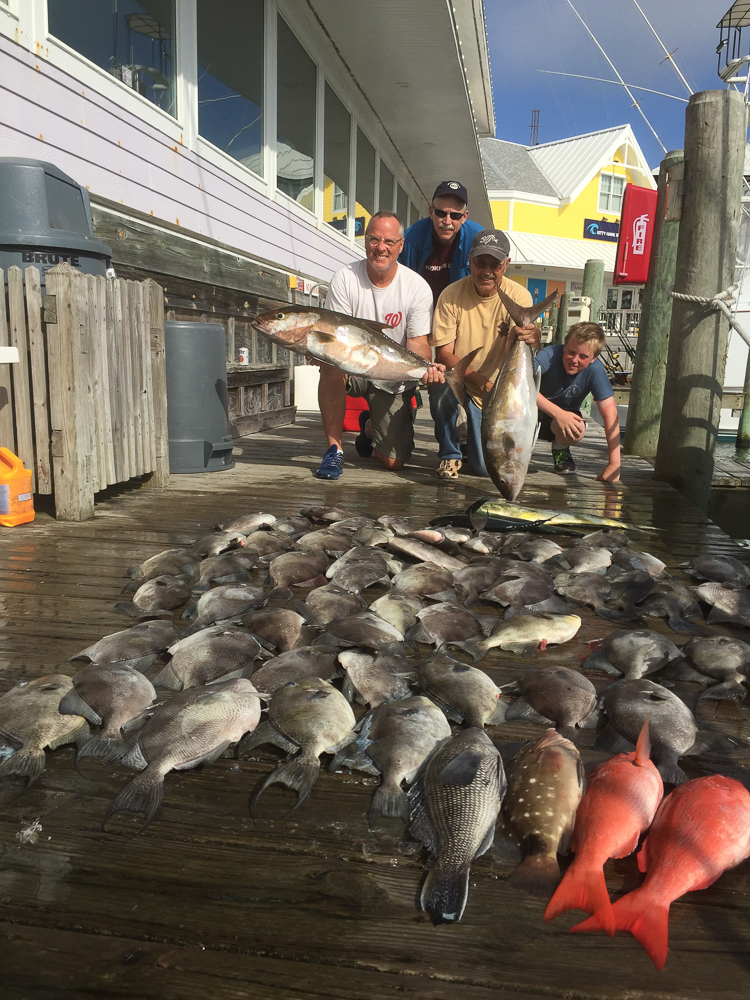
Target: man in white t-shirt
(381,289)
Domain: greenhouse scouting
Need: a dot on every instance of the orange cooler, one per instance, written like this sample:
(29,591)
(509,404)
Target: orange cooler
(16,499)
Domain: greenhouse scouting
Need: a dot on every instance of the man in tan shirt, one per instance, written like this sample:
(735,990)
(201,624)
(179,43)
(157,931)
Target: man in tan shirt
(470,315)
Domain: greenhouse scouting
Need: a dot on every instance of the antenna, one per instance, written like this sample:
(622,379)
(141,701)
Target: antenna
(614,70)
(667,54)
(534,127)
(600,79)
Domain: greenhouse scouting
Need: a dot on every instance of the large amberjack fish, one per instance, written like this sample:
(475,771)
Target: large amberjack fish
(699,831)
(509,412)
(356,346)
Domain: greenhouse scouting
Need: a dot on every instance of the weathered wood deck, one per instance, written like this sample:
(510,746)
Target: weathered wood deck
(208,904)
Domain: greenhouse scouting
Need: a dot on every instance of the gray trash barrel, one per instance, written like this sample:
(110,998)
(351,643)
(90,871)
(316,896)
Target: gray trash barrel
(197,415)
(45,219)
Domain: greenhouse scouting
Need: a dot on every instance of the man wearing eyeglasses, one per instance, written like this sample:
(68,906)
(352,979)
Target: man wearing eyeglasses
(377,288)
(438,247)
(470,315)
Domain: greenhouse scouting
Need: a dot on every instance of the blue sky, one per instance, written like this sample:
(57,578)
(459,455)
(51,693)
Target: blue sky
(526,36)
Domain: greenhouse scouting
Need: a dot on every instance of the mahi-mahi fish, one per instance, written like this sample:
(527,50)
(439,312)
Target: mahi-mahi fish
(509,413)
(355,346)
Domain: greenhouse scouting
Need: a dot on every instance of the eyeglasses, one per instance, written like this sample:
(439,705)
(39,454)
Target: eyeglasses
(441,214)
(373,242)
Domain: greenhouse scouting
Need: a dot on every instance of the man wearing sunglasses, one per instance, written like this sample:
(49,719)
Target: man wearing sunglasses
(470,315)
(438,247)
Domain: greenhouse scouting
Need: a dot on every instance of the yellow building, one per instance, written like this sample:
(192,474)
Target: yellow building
(560,202)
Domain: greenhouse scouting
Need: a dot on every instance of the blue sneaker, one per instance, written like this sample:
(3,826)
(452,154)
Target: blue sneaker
(332,465)
(362,442)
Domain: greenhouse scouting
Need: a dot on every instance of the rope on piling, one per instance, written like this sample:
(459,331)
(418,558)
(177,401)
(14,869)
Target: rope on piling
(719,303)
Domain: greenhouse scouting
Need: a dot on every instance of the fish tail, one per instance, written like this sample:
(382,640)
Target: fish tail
(728,690)
(24,764)
(143,794)
(388,800)
(647,920)
(101,746)
(128,608)
(299,773)
(444,893)
(455,377)
(583,888)
(538,874)
(476,648)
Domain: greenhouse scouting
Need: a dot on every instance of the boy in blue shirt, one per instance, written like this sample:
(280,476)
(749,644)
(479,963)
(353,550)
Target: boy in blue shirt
(571,371)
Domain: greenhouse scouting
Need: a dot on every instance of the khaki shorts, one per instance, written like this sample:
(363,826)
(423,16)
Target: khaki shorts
(391,417)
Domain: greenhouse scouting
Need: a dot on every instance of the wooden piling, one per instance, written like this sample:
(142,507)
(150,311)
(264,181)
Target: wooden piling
(650,366)
(715,131)
(593,286)
(743,430)
(562,318)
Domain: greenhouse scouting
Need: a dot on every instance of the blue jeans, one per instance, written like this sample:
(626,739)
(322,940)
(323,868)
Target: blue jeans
(444,410)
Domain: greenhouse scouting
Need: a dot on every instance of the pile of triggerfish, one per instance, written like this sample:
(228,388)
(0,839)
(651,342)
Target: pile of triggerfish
(333,633)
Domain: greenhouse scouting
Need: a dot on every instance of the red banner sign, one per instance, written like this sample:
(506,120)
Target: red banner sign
(636,231)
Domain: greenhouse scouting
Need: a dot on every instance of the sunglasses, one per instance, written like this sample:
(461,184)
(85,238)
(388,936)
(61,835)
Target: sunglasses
(441,214)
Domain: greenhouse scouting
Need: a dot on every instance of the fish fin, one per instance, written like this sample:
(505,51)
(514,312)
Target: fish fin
(712,744)
(643,746)
(526,649)
(627,848)
(476,648)
(520,709)
(728,690)
(538,874)
(682,625)
(305,612)
(140,663)
(100,746)
(190,630)
(462,770)
(680,670)
(478,520)
(550,606)
(598,661)
(498,716)
(591,721)
(73,704)
(455,377)
(444,595)
(716,617)
(609,739)
(143,794)
(486,622)
(495,357)
(444,894)
(350,692)
(379,383)
(264,733)
(131,586)
(207,758)
(671,772)
(583,888)
(647,921)
(78,736)
(393,648)
(166,678)
(568,733)
(388,800)
(24,764)
(420,824)
(299,773)
(612,615)
(128,608)
(281,594)
(414,635)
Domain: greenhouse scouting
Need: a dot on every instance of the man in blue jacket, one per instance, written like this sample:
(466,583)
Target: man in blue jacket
(438,247)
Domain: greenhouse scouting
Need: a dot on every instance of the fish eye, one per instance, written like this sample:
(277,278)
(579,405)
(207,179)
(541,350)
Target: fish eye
(279,315)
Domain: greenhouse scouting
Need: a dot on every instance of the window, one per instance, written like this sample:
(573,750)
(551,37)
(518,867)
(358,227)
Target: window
(402,206)
(230,78)
(612,294)
(295,119)
(385,202)
(336,145)
(413,214)
(365,204)
(132,41)
(611,190)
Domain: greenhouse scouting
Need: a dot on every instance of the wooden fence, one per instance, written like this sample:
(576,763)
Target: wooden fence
(86,406)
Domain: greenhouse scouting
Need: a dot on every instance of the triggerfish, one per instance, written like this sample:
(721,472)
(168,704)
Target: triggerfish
(699,831)
(621,798)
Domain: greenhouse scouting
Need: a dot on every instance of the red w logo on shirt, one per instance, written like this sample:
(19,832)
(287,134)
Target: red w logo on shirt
(393,319)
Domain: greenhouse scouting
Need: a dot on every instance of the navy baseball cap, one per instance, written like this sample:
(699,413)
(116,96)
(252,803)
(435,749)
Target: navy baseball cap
(492,242)
(454,189)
